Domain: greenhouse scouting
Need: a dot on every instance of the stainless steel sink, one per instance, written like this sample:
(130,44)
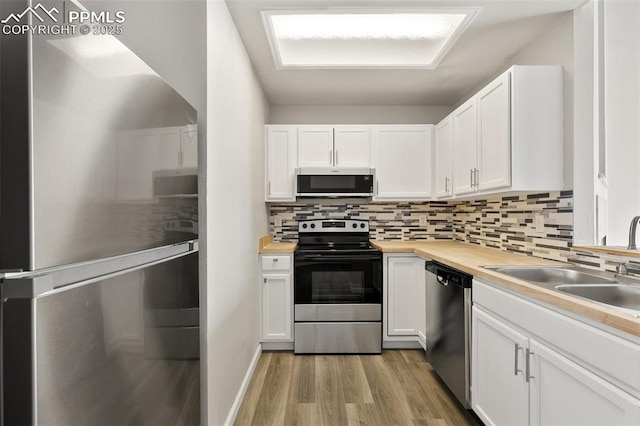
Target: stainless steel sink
(601,287)
(622,295)
(553,275)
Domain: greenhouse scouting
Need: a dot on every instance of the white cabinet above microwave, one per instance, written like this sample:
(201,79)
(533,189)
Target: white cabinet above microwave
(334,146)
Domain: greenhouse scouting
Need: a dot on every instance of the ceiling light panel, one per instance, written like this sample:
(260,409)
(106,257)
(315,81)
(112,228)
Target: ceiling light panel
(307,39)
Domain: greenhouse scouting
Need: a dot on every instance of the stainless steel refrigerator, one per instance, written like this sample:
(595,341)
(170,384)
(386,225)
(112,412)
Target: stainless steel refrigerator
(98,231)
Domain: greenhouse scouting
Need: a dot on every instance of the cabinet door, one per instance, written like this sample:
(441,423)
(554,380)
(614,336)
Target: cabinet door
(499,393)
(315,146)
(421,290)
(189,146)
(465,140)
(563,393)
(403,162)
(280,167)
(442,152)
(352,146)
(277,307)
(494,127)
(402,297)
(169,147)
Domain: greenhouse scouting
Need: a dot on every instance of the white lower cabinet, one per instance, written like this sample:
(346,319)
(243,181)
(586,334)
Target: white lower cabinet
(404,317)
(500,394)
(276,298)
(517,379)
(564,393)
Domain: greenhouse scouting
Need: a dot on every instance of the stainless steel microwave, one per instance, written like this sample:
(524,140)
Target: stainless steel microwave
(329,182)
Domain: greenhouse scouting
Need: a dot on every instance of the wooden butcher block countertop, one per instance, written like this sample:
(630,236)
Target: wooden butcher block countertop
(471,259)
(267,246)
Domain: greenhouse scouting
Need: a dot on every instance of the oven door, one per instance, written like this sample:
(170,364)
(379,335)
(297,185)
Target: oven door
(335,278)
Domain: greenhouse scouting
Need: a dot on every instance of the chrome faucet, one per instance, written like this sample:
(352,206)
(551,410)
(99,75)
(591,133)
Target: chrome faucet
(632,233)
(628,268)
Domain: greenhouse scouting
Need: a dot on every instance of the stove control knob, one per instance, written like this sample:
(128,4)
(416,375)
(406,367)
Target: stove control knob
(362,225)
(355,225)
(313,225)
(304,226)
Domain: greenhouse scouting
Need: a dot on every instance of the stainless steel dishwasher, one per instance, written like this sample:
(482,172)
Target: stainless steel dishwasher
(448,331)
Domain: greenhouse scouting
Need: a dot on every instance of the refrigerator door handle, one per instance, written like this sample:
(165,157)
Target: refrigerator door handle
(27,285)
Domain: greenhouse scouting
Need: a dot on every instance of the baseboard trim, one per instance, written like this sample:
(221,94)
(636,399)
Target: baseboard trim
(277,346)
(237,402)
(401,344)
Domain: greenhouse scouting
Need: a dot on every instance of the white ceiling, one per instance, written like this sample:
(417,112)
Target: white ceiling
(501,29)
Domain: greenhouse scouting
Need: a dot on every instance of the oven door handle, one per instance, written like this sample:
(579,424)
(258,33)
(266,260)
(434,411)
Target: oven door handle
(333,257)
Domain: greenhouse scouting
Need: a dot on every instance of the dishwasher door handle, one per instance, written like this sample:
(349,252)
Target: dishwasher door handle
(442,281)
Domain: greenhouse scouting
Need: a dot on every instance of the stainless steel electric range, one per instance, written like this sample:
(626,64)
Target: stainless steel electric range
(337,288)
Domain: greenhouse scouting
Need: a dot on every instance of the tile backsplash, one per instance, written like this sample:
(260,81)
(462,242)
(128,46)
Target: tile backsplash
(387,221)
(539,224)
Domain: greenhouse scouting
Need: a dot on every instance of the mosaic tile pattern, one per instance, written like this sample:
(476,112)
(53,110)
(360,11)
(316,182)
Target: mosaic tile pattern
(387,221)
(539,225)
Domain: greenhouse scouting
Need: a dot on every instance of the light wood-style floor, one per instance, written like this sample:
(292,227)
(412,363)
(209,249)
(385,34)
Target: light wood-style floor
(396,388)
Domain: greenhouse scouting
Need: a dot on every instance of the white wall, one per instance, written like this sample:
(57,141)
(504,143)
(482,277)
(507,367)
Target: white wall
(236,214)
(584,226)
(555,47)
(357,114)
(622,116)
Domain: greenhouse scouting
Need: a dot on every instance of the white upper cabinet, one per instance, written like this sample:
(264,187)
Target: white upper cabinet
(315,146)
(402,160)
(494,141)
(352,146)
(281,163)
(465,149)
(443,142)
(509,136)
(334,146)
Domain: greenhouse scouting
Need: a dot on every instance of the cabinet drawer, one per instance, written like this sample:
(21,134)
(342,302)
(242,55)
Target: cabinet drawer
(276,263)
(607,355)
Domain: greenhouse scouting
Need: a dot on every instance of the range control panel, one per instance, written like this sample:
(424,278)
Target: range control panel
(333,225)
